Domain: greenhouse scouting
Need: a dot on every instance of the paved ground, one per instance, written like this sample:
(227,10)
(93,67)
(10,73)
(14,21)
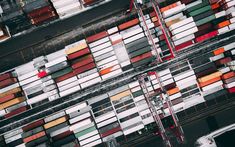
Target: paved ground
(198,128)
(15,45)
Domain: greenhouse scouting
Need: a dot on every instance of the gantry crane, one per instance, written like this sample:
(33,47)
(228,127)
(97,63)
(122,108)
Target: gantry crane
(177,130)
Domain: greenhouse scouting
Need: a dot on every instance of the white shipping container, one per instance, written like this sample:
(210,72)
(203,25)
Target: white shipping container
(185,33)
(27,75)
(173,11)
(70,85)
(112,30)
(103,51)
(105,61)
(93,143)
(106,122)
(211,86)
(75,108)
(181,23)
(184,39)
(223,30)
(80,124)
(101,46)
(67,81)
(104,116)
(56,61)
(5,89)
(90,139)
(37,99)
(133,129)
(183,28)
(133,38)
(29,80)
(91,82)
(111,74)
(69,91)
(79,118)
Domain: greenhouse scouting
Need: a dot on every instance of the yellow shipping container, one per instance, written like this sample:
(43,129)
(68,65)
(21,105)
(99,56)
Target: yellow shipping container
(210,76)
(11,102)
(120,95)
(76,48)
(55,122)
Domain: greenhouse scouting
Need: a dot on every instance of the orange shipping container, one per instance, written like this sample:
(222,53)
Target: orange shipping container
(154,19)
(218,51)
(55,122)
(108,70)
(173,91)
(168,7)
(209,82)
(120,95)
(128,24)
(33,137)
(228,75)
(210,76)
(12,102)
(223,24)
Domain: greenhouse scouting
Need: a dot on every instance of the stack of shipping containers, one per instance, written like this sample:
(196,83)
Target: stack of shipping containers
(82,125)
(66,8)
(83,63)
(104,55)
(12,100)
(105,117)
(38,11)
(126,110)
(136,43)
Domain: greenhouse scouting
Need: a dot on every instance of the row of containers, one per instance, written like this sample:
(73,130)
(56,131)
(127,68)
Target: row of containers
(123,111)
(82,64)
(20,15)
(190,22)
(187,21)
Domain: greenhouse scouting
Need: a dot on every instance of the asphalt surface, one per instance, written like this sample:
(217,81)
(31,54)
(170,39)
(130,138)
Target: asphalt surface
(198,128)
(18,49)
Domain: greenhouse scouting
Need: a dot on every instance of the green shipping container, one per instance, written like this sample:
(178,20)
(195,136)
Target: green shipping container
(140,52)
(142,62)
(199,11)
(61,72)
(205,20)
(137,93)
(84,132)
(203,4)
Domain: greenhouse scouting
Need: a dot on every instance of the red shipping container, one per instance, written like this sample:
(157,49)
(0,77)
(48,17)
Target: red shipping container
(33,137)
(223,61)
(128,24)
(33,125)
(84,68)
(156,24)
(79,53)
(183,45)
(5,76)
(141,57)
(83,62)
(42,74)
(110,132)
(7,98)
(7,82)
(43,18)
(39,12)
(15,112)
(96,37)
(206,36)
(231,90)
(65,77)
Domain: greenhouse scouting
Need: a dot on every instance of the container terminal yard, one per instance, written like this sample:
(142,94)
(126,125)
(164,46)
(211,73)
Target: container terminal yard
(115,73)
